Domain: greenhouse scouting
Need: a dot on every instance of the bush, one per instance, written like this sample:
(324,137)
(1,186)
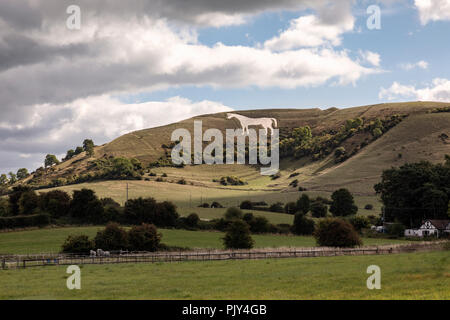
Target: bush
(318,210)
(238,236)
(290,208)
(259,225)
(277,207)
(231,180)
(302,225)
(233,213)
(192,220)
(4,207)
(216,204)
(246,204)
(343,203)
(144,238)
(368,206)
(332,232)
(14,198)
(181,181)
(78,244)
(56,203)
(360,222)
(204,205)
(113,237)
(303,204)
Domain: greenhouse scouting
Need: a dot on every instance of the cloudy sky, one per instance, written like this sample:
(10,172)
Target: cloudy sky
(142,63)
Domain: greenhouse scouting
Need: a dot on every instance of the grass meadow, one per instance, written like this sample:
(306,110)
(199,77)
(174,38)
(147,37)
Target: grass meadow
(49,240)
(403,276)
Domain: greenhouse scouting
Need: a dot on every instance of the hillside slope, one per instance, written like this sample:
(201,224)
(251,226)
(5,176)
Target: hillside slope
(417,137)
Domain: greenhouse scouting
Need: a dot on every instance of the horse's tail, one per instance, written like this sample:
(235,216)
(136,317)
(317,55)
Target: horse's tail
(274,120)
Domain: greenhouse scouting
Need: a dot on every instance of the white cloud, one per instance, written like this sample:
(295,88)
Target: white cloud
(371,57)
(101,118)
(433,10)
(439,90)
(409,66)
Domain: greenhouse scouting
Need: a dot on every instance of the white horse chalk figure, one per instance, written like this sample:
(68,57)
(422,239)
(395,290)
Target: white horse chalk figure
(266,123)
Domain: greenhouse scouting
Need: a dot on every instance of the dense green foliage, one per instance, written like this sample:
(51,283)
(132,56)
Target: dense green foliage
(144,238)
(343,203)
(238,236)
(335,232)
(303,225)
(415,191)
(78,244)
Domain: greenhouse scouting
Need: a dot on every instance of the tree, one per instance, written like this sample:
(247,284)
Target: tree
(70,154)
(86,206)
(113,237)
(12,178)
(28,202)
(144,238)
(277,207)
(50,160)
(302,225)
(343,203)
(56,203)
(233,213)
(14,198)
(78,150)
(318,209)
(414,192)
(303,204)
(78,244)
(238,236)
(22,173)
(335,232)
(88,146)
(192,220)
(3,180)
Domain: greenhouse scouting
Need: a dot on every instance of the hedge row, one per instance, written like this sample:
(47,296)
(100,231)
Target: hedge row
(35,220)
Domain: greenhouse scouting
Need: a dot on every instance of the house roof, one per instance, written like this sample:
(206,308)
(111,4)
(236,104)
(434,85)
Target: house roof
(439,224)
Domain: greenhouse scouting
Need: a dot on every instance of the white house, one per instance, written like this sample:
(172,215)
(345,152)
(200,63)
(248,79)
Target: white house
(430,228)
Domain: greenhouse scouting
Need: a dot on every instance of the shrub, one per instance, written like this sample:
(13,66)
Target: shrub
(216,204)
(333,232)
(246,204)
(152,174)
(231,180)
(233,213)
(192,220)
(164,175)
(56,203)
(181,181)
(78,244)
(238,236)
(302,225)
(318,210)
(368,206)
(360,222)
(343,203)
(204,205)
(113,237)
(259,225)
(294,183)
(109,202)
(277,207)
(4,207)
(303,204)
(144,238)
(112,213)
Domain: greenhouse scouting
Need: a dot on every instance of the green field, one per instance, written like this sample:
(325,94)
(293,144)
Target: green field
(403,276)
(50,239)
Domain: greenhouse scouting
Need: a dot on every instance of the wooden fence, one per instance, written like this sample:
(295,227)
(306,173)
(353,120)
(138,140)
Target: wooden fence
(25,261)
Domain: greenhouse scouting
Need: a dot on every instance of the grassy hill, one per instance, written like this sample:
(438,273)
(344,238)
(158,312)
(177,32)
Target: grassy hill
(417,137)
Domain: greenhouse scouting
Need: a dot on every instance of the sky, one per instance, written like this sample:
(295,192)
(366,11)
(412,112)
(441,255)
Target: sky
(120,66)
